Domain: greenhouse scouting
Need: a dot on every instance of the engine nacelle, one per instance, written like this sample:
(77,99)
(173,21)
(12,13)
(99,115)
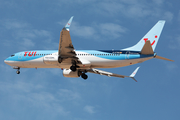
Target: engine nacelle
(70,73)
(50,59)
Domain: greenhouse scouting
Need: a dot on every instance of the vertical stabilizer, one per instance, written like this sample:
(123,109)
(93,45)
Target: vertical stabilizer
(152,36)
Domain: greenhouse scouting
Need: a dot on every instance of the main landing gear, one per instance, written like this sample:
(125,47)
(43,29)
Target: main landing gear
(74,66)
(84,76)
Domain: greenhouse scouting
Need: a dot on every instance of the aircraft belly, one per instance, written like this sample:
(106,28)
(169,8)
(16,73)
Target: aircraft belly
(116,63)
(35,63)
(39,63)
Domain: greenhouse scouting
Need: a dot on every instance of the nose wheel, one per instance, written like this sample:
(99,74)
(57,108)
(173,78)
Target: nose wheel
(18,71)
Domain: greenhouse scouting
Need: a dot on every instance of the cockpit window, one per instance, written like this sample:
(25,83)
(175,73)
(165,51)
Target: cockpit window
(12,55)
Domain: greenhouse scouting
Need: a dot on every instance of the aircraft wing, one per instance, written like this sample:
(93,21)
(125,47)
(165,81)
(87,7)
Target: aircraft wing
(109,74)
(66,48)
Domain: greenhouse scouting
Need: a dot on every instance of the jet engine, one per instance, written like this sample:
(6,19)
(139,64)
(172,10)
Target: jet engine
(70,73)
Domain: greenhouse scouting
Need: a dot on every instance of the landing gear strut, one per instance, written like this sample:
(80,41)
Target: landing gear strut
(18,71)
(60,59)
(84,76)
(74,66)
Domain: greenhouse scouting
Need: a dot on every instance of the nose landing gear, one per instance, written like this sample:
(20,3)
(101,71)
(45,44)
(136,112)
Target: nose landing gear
(18,70)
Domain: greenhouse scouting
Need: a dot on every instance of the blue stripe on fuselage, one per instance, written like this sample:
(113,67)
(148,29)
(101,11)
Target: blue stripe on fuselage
(120,51)
(115,54)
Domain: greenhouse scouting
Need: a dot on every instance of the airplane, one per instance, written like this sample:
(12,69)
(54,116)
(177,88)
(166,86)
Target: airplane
(76,63)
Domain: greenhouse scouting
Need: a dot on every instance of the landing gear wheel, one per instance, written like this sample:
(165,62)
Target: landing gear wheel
(18,72)
(60,59)
(84,76)
(73,68)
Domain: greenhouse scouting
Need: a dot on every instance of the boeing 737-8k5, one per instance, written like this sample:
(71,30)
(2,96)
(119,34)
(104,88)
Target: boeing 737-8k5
(77,63)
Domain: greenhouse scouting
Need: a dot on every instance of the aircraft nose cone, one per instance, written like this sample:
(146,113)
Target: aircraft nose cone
(5,61)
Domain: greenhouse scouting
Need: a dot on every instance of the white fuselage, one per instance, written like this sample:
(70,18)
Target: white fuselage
(88,58)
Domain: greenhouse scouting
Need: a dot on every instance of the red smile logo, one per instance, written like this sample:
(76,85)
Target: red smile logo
(145,39)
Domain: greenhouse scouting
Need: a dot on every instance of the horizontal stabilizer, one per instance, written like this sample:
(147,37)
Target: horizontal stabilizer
(159,57)
(147,49)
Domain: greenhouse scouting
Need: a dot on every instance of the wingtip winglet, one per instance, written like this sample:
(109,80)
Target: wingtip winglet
(134,73)
(67,26)
(134,79)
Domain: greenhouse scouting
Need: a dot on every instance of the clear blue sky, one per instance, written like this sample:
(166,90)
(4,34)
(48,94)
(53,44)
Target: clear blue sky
(44,94)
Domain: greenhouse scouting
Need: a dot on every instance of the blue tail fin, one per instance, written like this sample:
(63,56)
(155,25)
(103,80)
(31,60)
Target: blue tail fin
(153,36)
